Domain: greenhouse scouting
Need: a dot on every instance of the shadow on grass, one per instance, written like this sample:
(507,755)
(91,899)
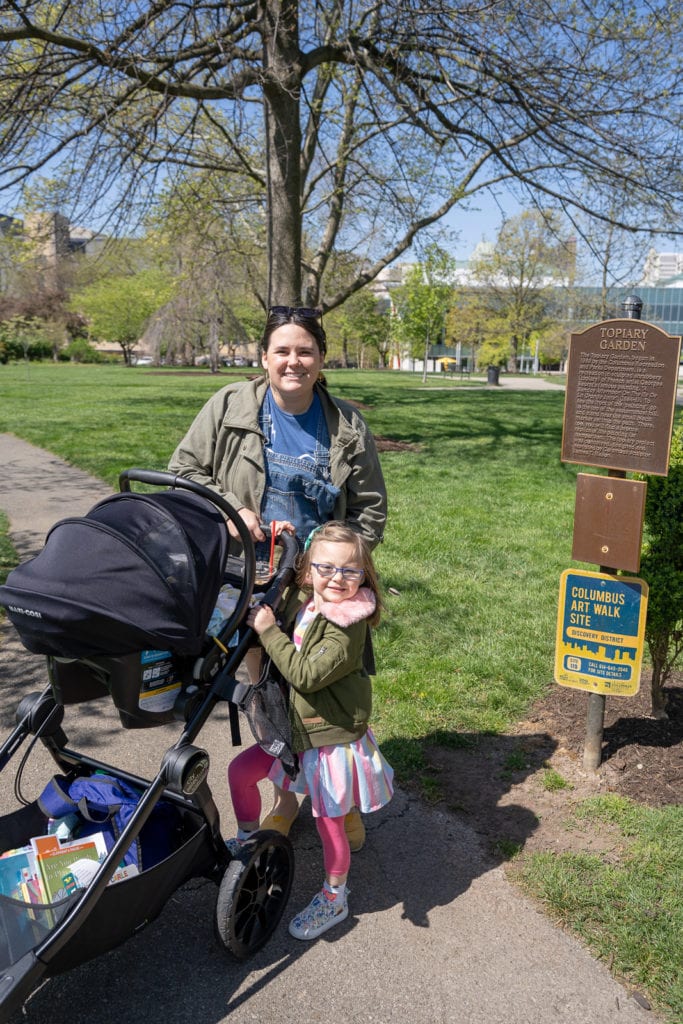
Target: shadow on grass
(470,775)
(421,417)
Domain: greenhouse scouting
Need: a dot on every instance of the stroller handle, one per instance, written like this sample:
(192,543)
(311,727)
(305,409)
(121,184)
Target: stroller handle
(159,478)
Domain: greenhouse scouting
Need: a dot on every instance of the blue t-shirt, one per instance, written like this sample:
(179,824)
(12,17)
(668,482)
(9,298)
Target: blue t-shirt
(296,435)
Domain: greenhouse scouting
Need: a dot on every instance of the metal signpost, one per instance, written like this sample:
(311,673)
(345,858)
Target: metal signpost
(620,401)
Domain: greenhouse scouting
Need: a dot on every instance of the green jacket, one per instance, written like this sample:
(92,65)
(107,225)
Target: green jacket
(331,693)
(223,449)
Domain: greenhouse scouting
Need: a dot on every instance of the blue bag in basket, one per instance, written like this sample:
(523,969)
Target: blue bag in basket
(106,804)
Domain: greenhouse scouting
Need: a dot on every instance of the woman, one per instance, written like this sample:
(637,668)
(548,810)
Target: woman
(282,448)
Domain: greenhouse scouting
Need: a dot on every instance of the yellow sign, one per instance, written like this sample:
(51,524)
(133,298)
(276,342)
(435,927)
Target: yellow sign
(600,632)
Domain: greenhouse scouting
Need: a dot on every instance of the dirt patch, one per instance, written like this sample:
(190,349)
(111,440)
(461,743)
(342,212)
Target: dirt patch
(519,790)
(386,444)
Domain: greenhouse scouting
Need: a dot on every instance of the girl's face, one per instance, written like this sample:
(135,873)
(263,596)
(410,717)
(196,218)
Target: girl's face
(293,362)
(336,587)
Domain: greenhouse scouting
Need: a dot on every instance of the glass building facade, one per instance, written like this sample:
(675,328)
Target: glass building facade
(662,307)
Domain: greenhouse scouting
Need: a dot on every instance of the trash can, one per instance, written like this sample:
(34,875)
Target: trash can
(493,375)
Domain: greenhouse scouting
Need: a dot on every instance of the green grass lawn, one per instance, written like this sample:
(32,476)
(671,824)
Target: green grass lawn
(8,556)
(628,911)
(479,525)
(480,528)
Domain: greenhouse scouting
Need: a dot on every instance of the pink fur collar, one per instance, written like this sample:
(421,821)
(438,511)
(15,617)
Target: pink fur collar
(354,609)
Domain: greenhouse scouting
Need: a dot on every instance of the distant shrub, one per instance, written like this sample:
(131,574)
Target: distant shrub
(81,351)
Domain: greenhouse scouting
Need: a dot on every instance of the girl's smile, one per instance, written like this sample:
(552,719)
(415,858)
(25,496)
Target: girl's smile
(333,589)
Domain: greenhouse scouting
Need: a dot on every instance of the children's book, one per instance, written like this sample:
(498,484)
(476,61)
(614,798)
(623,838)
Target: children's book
(66,867)
(19,876)
(123,872)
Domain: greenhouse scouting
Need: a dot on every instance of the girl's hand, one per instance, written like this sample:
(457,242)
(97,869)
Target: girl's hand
(283,526)
(260,618)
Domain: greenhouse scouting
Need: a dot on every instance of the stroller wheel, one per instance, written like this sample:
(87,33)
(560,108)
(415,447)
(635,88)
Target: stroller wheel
(253,893)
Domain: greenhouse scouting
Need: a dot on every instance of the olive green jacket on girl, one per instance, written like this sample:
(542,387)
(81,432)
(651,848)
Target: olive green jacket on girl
(331,693)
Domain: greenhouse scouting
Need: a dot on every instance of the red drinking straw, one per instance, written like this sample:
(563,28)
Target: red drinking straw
(271,564)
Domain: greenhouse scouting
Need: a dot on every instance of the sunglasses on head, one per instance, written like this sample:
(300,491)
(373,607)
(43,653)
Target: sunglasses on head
(296,311)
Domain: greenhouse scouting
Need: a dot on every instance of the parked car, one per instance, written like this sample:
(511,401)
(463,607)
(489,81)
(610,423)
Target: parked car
(143,361)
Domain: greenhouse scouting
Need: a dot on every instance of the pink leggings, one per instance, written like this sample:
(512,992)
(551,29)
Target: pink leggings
(251,767)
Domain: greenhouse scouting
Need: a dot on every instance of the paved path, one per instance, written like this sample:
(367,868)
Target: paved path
(436,934)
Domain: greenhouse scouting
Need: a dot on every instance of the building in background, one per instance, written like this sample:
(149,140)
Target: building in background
(52,239)
(663,270)
(660,288)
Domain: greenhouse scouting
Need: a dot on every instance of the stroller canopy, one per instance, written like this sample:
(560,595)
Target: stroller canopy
(139,571)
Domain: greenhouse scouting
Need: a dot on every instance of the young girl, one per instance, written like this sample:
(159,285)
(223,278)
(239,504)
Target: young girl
(330,702)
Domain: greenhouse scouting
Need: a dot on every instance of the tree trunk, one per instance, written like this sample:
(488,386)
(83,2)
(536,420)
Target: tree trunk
(657,688)
(281,95)
(424,368)
(214,344)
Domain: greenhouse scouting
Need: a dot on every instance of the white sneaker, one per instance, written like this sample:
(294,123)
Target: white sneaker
(324,911)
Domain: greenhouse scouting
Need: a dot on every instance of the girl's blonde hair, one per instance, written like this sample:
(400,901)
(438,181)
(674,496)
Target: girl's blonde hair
(336,532)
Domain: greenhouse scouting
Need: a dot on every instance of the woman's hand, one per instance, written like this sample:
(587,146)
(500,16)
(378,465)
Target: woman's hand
(260,617)
(252,523)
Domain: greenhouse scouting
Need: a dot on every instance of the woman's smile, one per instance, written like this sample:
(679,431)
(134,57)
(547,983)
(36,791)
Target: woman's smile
(292,362)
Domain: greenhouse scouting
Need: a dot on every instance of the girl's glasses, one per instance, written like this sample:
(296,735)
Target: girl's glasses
(327,571)
(295,311)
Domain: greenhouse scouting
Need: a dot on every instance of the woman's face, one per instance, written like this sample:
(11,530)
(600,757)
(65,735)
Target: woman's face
(293,362)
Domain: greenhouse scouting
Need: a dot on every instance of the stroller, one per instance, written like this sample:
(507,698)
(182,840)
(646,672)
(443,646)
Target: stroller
(135,628)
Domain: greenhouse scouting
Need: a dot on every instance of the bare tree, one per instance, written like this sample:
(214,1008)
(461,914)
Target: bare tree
(612,258)
(357,125)
(213,264)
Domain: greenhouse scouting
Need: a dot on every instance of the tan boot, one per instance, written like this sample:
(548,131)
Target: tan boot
(278,823)
(283,814)
(355,829)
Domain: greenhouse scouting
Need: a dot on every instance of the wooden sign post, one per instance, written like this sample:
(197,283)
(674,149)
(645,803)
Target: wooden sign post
(620,402)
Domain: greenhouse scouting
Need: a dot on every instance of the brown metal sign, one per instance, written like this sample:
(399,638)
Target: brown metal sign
(608,521)
(621,396)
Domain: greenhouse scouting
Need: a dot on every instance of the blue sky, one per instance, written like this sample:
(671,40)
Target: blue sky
(480,223)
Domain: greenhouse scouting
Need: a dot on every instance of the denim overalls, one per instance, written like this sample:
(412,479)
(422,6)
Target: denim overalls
(303,495)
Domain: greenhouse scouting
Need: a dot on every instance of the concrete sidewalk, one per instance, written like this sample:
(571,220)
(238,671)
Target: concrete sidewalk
(436,935)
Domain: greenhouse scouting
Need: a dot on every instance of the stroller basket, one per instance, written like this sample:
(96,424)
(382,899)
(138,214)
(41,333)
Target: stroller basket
(25,925)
